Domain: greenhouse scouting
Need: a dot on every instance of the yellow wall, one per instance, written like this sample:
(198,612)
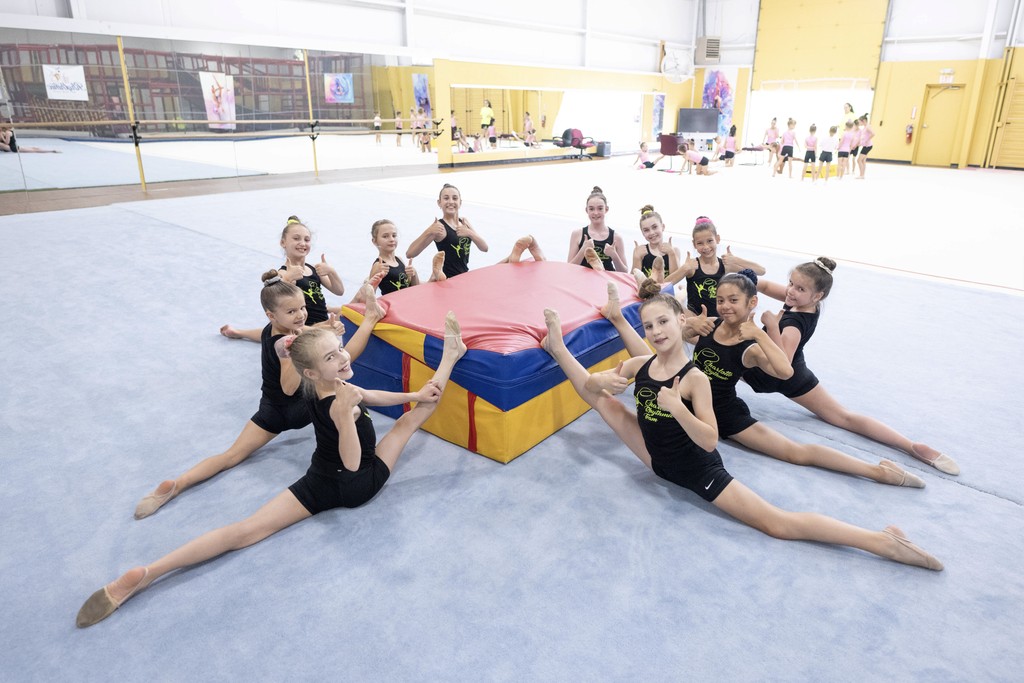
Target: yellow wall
(902,86)
(798,39)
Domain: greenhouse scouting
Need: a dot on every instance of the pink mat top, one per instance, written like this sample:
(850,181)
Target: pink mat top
(501,307)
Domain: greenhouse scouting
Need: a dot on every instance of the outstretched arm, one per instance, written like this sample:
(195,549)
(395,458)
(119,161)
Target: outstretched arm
(773,289)
(434,233)
(734,264)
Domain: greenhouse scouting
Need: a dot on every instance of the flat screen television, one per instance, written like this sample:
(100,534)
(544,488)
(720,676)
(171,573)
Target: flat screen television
(697,121)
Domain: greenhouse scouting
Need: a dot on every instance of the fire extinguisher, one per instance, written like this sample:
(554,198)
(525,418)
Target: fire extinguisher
(910,133)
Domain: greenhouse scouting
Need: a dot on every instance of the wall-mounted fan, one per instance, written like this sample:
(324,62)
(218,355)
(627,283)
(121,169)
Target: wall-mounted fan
(677,65)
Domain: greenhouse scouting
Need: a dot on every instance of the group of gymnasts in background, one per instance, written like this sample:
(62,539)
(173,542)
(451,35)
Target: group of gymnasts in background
(685,402)
(850,149)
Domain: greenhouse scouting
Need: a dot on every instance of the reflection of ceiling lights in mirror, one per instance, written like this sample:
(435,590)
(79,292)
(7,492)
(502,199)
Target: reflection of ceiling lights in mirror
(677,65)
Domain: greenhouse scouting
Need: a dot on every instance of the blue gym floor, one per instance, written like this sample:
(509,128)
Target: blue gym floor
(572,563)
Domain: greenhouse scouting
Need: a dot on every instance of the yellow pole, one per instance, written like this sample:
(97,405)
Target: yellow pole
(131,112)
(309,99)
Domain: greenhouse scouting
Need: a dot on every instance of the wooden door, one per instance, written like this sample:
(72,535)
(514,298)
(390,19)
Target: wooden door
(940,115)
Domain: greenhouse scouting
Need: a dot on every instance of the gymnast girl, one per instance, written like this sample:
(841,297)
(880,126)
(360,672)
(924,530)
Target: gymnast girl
(866,136)
(810,156)
(674,433)
(398,128)
(695,159)
(656,259)
(643,158)
(703,273)
(347,470)
(9,143)
(296,240)
(730,147)
(789,145)
(280,409)
(828,146)
(791,329)
(733,346)
(771,136)
(452,234)
(596,245)
(845,145)
(397,275)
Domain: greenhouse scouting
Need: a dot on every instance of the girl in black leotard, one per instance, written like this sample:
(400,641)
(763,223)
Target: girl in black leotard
(733,346)
(280,408)
(791,328)
(297,241)
(452,234)
(397,275)
(703,273)
(347,469)
(597,246)
(644,258)
(673,432)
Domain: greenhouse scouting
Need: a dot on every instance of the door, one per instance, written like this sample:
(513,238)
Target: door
(1009,146)
(939,117)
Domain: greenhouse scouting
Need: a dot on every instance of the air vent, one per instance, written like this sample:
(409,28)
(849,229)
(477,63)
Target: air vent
(708,50)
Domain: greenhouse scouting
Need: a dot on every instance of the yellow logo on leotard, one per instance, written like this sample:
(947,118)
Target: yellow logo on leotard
(709,286)
(647,401)
(707,360)
(314,293)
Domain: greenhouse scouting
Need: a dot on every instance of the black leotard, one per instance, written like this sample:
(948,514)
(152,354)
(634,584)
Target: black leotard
(327,484)
(674,455)
(456,251)
(278,411)
(723,365)
(702,288)
(599,247)
(312,292)
(395,279)
(803,380)
(647,263)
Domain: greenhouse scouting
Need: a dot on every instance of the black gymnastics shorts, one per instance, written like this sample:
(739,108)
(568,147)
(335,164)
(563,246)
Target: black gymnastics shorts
(730,155)
(826,157)
(802,381)
(648,164)
(376,127)
(864,150)
(320,491)
(809,156)
(275,418)
(787,151)
(703,473)
(843,155)
(703,161)
(854,151)
(733,416)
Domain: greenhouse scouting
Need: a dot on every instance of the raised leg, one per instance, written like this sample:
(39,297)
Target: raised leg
(615,414)
(234,333)
(391,446)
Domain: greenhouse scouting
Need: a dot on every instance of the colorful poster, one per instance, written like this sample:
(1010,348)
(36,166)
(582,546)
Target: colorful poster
(338,89)
(65,83)
(421,91)
(720,93)
(219,97)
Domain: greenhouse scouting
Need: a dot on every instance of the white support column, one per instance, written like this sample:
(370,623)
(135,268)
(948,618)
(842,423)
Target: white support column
(76,9)
(586,33)
(988,32)
(408,14)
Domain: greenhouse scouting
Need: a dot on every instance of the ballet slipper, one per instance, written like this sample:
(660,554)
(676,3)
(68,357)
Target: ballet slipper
(371,308)
(592,259)
(102,604)
(640,278)
(554,324)
(521,245)
(612,308)
(894,475)
(941,462)
(154,502)
(658,269)
(908,553)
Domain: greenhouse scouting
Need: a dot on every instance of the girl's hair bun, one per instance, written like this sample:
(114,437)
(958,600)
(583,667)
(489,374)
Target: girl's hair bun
(749,274)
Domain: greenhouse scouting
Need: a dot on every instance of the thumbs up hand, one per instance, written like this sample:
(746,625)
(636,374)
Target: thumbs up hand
(668,397)
(749,330)
(324,269)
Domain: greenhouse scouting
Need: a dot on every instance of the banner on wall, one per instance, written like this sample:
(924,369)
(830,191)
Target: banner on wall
(219,97)
(65,82)
(720,93)
(338,89)
(421,91)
